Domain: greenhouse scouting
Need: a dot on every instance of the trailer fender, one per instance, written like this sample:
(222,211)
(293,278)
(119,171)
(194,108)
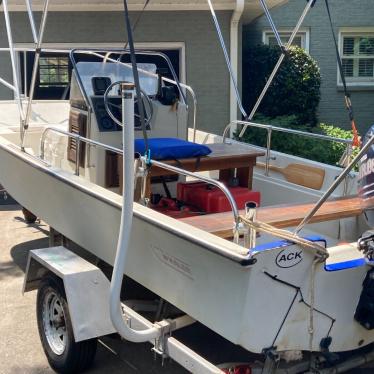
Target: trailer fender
(86,287)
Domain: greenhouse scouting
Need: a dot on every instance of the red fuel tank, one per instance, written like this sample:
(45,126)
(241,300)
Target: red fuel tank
(171,209)
(211,199)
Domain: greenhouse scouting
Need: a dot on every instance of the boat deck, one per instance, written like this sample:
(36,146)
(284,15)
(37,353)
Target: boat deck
(280,216)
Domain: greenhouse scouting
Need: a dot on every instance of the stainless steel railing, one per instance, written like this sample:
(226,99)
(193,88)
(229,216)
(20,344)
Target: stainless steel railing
(79,139)
(269,129)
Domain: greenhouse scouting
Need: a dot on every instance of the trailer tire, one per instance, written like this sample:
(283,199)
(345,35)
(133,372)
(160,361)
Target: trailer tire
(56,332)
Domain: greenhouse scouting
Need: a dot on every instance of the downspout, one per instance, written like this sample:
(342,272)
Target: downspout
(234,47)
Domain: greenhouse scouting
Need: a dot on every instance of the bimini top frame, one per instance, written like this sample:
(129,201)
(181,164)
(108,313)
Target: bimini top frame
(38,40)
(25,113)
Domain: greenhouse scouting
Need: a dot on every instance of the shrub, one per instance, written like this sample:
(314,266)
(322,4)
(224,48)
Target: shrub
(295,89)
(310,148)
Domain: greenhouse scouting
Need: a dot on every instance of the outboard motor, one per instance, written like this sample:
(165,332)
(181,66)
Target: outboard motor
(366,181)
(365,309)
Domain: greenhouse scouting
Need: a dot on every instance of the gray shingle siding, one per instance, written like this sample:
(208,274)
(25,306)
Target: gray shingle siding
(345,13)
(205,68)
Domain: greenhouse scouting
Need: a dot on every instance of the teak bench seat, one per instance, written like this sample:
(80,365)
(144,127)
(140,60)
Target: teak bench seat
(281,216)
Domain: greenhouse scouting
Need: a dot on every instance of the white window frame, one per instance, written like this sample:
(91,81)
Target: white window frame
(304,33)
(354,31)
(155,46)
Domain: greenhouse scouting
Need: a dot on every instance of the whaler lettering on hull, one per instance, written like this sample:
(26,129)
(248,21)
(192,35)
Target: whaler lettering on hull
(172,261)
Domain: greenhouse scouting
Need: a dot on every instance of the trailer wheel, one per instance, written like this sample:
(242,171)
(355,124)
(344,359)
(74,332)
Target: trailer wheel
(56,332)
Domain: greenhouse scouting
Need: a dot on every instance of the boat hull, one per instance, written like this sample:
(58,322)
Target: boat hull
(201,274)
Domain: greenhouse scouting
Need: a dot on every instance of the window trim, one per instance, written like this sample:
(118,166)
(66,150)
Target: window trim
(303,32)
(353,31)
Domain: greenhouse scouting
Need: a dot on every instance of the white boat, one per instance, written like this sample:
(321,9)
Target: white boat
(271,294)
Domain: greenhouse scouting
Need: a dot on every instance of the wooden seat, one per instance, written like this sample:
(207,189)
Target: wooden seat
(280,216)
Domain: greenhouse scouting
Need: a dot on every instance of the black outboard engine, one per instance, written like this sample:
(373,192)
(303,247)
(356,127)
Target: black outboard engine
(365,309)
(366,181)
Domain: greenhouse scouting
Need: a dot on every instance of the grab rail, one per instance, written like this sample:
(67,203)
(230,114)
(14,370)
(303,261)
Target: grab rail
(122,52)
(270,130)
(186,87)
(159,164)
(78,139)
(216,183)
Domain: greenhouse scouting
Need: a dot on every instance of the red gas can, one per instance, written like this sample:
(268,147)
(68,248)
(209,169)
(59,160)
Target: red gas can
(171,209)
(211,199)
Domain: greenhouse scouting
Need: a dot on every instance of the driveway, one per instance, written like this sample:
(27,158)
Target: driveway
(20,348)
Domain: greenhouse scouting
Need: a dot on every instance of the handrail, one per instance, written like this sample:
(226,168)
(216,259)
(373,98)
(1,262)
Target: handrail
(159,164)
(216,183)
(336,183)
(270,130)
(124,51)
(284,129)
(188,88)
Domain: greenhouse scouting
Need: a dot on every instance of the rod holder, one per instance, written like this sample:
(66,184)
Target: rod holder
(250,233)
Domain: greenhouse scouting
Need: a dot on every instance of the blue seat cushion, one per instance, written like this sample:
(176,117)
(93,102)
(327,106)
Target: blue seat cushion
(171,148)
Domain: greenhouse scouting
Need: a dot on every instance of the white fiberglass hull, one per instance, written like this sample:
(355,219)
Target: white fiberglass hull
(203,275)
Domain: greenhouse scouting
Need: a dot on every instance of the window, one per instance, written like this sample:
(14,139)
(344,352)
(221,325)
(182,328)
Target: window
(54,71)
(357,52)
(301,39)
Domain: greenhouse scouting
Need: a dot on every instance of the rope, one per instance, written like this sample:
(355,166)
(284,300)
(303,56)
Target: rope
(138,19)
(312,301)
(319,250)
(136,73)
(320,253)
(348,103)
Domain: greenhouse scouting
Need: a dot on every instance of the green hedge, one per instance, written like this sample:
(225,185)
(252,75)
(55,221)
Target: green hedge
(312,149)
(295,89)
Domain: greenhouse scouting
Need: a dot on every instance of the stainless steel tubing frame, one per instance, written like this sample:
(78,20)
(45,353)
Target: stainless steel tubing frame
(271,22)
(53,50)
(107,58)
(78,139)
(174,169)
(250,235)
(186,87)
(32,22)
(122,51)
(13,62)
(278,64)
(227,58)
(9,85)
(35,70)
(270,130)
(216,183)
(336,183)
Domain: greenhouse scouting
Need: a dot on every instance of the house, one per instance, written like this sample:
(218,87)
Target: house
(354,28)
(184,30)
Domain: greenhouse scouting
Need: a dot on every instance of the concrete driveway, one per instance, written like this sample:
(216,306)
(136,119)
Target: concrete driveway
(20,348)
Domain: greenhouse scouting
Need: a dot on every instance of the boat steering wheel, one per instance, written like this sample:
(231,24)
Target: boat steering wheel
(147,105)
